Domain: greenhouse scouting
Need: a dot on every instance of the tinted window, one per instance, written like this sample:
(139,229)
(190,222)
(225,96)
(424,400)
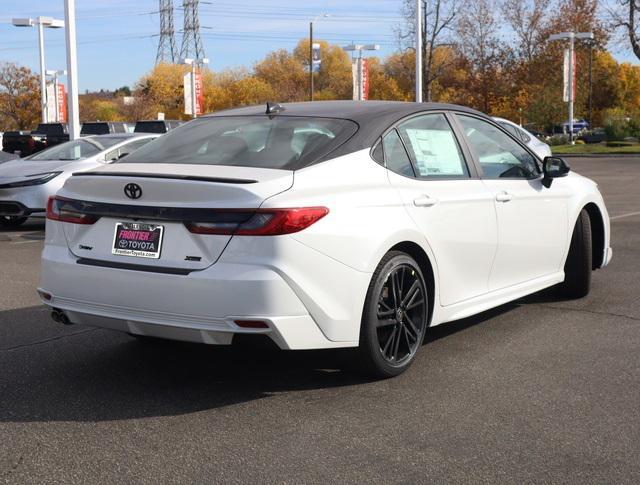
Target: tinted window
(283,142)
(150,127)
(395,156)
(94,129)
(510,128)
(433,146)
(77,149)
(498,154)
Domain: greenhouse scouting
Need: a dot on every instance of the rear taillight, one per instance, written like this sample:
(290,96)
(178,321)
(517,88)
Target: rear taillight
(263,222)
(68,210)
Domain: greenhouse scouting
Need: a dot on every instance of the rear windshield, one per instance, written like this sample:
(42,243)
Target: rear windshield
(282,142)
(94,129)
(150,127)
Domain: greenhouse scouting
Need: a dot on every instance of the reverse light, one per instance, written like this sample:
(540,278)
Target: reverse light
(263,222)
(68,210)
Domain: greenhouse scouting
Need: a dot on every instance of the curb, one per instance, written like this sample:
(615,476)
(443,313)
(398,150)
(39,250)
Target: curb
(597,155)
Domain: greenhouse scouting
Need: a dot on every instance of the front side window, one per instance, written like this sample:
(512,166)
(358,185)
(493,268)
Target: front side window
(499,155)
(280,142)
(433,146)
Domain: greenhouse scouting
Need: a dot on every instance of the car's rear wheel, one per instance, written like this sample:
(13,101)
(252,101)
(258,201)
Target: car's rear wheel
(394,319)
(577,268)
(12,221)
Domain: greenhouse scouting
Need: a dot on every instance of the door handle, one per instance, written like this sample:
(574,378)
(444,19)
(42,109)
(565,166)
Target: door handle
(425,201)
(503,196)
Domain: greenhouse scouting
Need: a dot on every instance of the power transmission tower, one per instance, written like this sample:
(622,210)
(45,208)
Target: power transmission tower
(167,51)
(191,41)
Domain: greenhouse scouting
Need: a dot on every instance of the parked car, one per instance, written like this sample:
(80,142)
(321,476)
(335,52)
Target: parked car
(156,126)
(25,143)
(390,218)
(597,135)
(538,146)
(105,127)
(578,126)
(26,184)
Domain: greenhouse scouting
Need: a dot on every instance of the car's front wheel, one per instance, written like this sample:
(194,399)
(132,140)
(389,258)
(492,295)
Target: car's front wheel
(11,221)
(394,319)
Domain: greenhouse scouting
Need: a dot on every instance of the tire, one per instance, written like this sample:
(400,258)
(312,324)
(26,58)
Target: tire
(12,221)
(393,327)
(577,268)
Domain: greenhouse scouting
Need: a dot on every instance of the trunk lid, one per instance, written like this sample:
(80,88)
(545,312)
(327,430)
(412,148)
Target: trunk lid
(170,196)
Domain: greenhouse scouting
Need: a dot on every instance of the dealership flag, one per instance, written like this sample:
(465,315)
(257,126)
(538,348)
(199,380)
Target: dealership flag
(565,85)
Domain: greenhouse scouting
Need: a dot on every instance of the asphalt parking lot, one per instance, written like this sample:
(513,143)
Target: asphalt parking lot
(537,391)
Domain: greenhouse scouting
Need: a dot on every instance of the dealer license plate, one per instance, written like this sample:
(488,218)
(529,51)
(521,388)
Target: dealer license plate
(137,239)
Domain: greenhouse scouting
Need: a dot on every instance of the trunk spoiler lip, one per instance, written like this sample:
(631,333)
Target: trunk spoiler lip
(197,178)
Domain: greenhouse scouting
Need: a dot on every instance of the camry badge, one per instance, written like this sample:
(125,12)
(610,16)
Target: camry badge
(133,191)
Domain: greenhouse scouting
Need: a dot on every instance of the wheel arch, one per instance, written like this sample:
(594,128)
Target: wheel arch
(419,254)
(597,233)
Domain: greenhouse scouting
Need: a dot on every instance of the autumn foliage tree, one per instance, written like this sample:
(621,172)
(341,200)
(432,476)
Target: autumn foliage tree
(19,97)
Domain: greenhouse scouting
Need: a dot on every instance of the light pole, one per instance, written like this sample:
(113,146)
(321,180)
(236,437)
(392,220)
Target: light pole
(194,63)
(322,15)
(359,48)
(54,74)
(418,51)
(72,69)
(41,23)
(571,37)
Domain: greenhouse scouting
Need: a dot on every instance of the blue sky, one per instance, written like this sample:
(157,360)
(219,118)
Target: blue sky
(117,39)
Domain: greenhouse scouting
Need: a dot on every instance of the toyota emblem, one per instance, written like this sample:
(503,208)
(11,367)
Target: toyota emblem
(133,191)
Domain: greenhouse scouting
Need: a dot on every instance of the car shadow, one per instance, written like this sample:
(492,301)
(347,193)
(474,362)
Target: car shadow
(83,374)
(32,224)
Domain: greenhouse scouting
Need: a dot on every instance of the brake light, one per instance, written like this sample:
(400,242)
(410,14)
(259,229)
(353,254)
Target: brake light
(68,210)
(263,222)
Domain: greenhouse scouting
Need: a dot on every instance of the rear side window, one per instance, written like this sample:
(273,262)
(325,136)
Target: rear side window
(395,156)
(433,146)
(280,142)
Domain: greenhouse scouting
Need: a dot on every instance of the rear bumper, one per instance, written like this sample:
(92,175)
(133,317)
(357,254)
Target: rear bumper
(200,307)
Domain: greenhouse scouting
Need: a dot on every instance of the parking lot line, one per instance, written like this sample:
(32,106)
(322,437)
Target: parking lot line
(622,216)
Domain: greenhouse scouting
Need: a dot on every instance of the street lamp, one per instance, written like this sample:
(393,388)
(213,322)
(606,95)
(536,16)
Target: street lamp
(322,15)
(359,48)
(41,22)
(194,63)
(54,74)
(418,21)
(571,37)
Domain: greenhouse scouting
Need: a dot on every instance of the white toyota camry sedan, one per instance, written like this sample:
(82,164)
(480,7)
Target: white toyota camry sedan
(320,225)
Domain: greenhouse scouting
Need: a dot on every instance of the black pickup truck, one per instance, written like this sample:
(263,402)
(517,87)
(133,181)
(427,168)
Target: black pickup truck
(26,143)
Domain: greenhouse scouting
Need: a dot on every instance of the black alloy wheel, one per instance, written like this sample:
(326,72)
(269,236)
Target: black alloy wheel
(395,316)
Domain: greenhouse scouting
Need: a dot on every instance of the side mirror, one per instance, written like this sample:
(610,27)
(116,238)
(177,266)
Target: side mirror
(554,167)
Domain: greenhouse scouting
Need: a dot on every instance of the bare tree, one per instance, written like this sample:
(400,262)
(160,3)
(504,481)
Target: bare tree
(477,30)
(438,22)
(627,19)
(527,19)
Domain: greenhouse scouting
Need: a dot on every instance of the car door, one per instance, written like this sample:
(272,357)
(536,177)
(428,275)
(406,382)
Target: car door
(446,200)
(532,219)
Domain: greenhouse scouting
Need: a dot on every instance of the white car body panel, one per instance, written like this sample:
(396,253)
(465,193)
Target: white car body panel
(310,286)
